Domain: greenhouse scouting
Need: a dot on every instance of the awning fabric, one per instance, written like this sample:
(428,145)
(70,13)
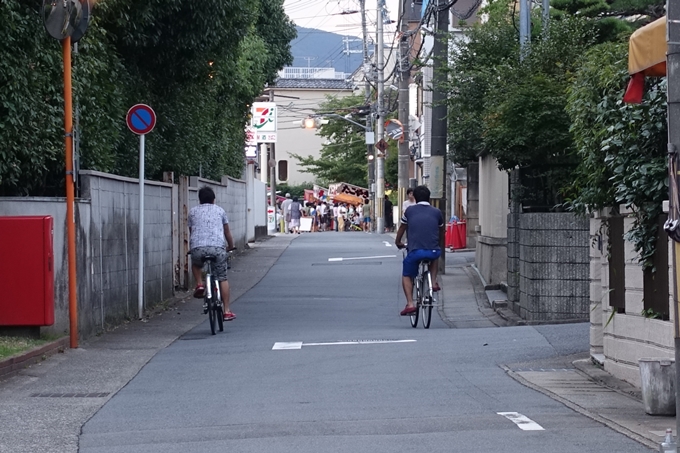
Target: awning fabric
(647,49)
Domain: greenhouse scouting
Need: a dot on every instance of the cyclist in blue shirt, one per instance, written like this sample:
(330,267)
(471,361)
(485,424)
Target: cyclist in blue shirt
(424,227)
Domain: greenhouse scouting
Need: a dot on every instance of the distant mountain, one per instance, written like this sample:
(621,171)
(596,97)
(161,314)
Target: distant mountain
(322,49)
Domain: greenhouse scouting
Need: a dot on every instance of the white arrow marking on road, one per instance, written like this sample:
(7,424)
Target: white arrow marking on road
(362,258)
(387,244)
(522,421)
(279,346)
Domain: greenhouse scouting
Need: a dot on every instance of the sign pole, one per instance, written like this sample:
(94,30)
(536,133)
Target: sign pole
(140,274)
(141,119)
(70,195)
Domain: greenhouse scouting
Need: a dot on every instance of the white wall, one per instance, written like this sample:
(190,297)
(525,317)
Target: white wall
(493,199)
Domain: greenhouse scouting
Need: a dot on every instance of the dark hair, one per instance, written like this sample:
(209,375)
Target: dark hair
(409,191)
(206,195)
(421,193)
(295,199)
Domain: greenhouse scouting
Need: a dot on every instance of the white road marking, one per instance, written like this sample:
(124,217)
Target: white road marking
(387,244)
(523,422)
(298,344)
(362,258)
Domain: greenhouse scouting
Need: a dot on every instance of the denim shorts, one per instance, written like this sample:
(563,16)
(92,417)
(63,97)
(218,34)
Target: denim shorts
(219,266)
(414,257)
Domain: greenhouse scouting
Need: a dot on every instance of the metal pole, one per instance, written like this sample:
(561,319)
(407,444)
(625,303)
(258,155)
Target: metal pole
(405,78)
(673,92)
(140,263)
(70,194)
(438,180)
(524,26)
(370,154)
(546,16)
(272,165)
(380,126)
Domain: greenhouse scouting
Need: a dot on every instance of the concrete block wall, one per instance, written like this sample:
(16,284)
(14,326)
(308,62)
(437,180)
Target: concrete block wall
(472,218)
(598,267)
(513,261)
(114,230)
(56,208)
(554,283)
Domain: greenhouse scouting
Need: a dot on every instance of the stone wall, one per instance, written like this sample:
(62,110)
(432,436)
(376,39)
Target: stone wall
(548,257)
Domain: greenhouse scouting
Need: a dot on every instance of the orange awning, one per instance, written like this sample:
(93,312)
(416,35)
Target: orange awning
(647,49)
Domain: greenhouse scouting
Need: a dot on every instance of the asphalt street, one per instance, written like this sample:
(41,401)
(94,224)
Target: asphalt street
(319,360)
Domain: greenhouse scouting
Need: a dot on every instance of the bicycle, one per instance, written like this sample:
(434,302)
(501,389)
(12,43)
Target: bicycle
(212,298)
(423,295)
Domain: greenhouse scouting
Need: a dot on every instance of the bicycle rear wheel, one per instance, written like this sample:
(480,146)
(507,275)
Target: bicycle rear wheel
(219,314)
(212,319)
(417,294)
(426,302)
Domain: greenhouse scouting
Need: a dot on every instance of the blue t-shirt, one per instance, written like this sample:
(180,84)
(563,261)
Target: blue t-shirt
(422,226)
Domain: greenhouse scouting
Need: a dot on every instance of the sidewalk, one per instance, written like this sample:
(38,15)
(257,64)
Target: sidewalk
(45,405)
(575,381)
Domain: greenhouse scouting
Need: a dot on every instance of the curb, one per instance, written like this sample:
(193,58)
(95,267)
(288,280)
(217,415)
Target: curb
(20,361)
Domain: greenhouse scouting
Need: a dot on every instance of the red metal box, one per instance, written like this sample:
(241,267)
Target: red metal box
(26,271)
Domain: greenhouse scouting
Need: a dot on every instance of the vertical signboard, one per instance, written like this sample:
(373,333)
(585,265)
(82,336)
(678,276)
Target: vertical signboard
(264,121)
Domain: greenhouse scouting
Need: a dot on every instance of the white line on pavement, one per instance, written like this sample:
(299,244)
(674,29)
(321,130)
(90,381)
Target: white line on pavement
(362,258)
(387,244)
(279,346)
(522,421)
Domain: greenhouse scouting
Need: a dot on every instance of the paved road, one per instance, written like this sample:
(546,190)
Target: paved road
(442,392)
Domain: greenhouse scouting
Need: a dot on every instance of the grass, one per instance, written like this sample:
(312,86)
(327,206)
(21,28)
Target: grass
(14,345)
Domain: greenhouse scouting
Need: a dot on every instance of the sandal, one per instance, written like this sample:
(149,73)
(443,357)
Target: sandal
(408,311)
(229,316)
(199,292)
(436,287)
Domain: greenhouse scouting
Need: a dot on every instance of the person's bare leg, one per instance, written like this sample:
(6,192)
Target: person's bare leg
(224,291)
(407,284)
(434,269)
(198,274)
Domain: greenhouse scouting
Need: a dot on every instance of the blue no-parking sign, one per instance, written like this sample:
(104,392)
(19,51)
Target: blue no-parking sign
(141,119)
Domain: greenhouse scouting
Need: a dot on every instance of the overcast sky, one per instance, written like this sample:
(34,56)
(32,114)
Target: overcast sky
(327,15)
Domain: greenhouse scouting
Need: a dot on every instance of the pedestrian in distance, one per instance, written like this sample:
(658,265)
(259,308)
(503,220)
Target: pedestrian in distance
(425,228)
(209,235)
(389,223)
(285,210)
(295,214)
(366,214)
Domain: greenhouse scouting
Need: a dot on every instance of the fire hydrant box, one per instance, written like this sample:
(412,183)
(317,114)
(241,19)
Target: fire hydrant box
(26,271)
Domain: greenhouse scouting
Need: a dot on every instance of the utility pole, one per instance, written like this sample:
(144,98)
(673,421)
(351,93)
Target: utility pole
(673,65)
(404,81)
(546,16)
(272,166)
(438,179)
(380,126)
(370,155)
(524,26)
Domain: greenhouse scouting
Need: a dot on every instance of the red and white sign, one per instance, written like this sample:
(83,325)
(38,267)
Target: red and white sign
(141,119)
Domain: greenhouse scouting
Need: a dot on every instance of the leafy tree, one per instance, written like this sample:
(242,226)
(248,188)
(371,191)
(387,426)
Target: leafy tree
(344,158)
(198,64)
(621,147)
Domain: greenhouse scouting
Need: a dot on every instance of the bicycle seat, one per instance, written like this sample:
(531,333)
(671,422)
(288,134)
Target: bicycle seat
(210,258)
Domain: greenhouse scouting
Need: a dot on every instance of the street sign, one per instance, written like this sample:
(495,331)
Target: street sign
(141,119)
(381,145)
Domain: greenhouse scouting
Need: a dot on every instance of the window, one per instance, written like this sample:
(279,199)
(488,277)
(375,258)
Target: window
(283,170)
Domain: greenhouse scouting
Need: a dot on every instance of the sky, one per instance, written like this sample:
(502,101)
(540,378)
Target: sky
(327,15)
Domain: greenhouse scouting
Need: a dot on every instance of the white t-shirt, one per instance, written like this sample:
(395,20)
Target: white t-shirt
(206,222)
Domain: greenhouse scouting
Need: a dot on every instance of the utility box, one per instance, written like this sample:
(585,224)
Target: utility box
(26,271)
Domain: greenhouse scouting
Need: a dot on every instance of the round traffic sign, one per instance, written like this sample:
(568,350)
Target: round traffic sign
(141,119)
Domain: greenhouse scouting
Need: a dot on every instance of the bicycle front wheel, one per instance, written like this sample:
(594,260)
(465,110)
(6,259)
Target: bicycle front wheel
(417,294)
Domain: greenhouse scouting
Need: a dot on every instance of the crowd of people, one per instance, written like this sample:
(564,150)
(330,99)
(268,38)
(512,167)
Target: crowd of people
(325,216)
